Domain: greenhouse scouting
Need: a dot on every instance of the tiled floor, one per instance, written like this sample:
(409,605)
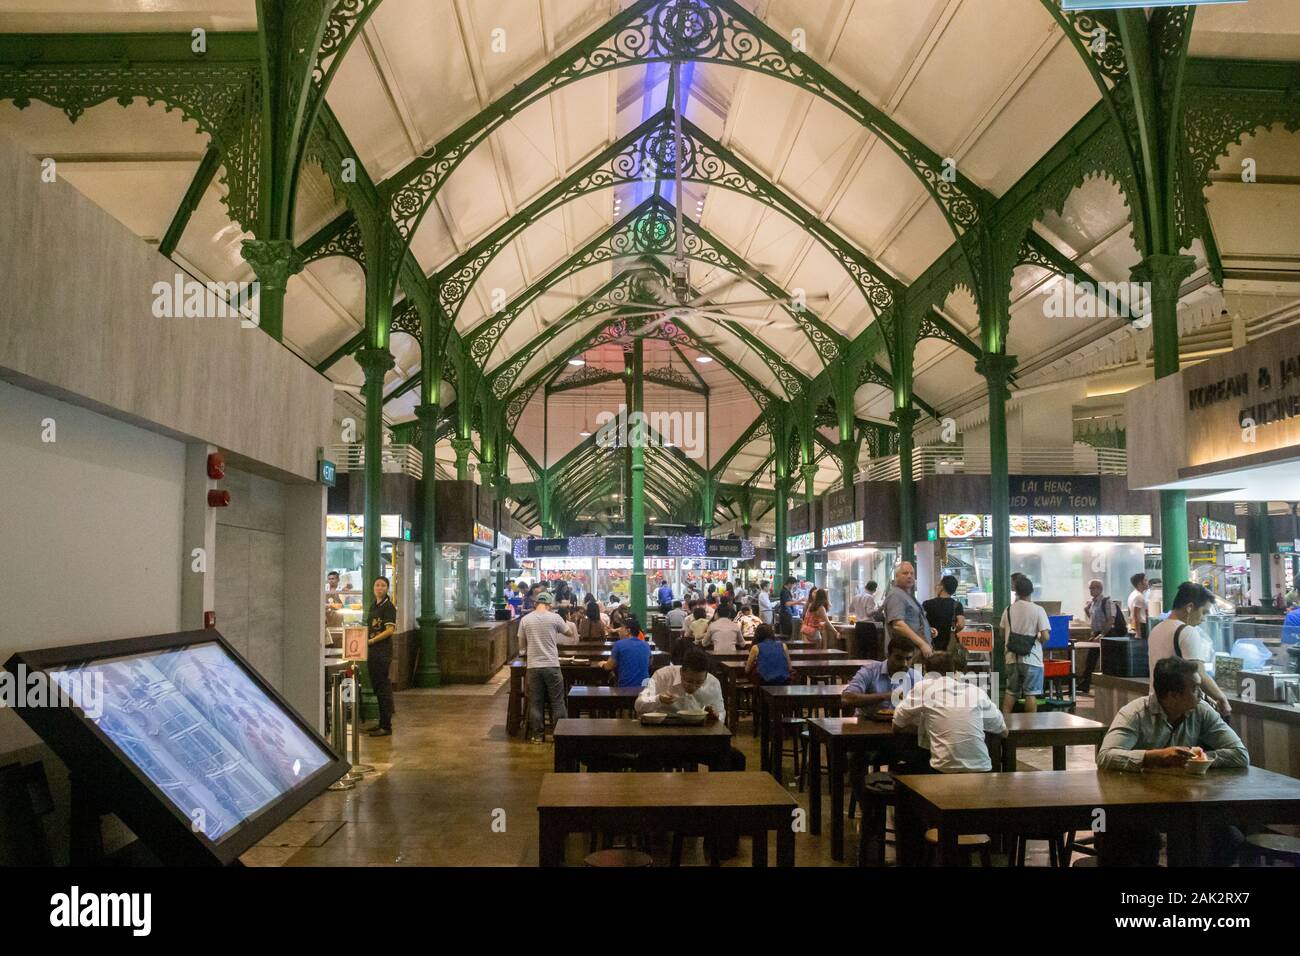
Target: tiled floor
(451,789)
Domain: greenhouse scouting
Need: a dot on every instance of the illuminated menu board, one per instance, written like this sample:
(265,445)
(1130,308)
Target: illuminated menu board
(484,536)
(354,526)
(1217,530)
(964,527)
(797,543)
(842,534)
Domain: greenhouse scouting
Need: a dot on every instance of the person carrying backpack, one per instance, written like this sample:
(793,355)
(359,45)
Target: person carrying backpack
(1107,620)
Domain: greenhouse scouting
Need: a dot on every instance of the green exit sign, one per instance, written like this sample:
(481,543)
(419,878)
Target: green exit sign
(932,534)
(327,473)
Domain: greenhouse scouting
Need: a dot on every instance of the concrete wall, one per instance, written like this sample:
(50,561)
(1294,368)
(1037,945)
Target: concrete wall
(91,544)
(76,321)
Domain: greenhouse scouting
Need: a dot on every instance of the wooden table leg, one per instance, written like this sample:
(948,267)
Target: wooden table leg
(764,730)
(1008,755)
(513,709)
(550,843)
(837,799)
(950,853)
(777,760)
(907,828)
(815,791)
(759,856)
(785,846)
(1058,758)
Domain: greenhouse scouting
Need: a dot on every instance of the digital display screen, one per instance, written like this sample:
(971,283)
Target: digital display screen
(201,729)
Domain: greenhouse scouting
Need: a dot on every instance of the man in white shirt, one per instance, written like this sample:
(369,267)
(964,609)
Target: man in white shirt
(689,686)
(1179,636)
(863,606)
(1024,671)
(676,617)
(765,602)
(1137,605)
(950,718)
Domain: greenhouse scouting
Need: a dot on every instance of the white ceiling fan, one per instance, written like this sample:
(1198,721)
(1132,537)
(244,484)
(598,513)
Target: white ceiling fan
(676,303)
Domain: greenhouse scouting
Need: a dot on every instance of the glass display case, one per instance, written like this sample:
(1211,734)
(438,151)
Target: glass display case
(466,584)
(849,569)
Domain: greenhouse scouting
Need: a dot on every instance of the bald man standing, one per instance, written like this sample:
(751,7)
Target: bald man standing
(904,614)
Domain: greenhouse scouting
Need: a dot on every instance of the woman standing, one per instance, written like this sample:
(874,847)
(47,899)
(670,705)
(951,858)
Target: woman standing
(817,618)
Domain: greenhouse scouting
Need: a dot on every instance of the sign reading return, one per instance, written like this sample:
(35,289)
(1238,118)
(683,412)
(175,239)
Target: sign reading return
(1055,493)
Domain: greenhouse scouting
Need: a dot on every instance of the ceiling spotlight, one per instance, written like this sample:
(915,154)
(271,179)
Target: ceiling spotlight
(584,434)
(577,362)
(704,359)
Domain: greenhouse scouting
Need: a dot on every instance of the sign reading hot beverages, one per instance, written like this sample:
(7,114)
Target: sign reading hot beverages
(621,547)
(547,547)
(722,547)
(1055,493)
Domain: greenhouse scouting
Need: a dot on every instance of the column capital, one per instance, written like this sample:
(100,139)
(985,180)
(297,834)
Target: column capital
(374,362)
(1165,272)
(905,418)
(273,261)
(996,368)
(429,415)
(462,446)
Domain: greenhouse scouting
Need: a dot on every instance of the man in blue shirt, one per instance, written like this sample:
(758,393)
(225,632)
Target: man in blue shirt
(665,596)
(1291,626)
(875,683)
(630,656)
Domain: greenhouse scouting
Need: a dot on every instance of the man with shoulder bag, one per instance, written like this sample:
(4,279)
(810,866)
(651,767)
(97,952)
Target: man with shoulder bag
(1026,629)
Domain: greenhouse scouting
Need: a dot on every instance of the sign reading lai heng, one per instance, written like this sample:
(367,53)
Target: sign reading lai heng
(1055,493)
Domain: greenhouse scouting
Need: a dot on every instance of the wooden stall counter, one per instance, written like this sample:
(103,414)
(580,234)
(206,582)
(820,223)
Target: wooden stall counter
(472,653)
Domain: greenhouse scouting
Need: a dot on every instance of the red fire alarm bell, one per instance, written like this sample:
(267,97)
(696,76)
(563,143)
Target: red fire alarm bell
(218,498)
(216,466)
(209,619)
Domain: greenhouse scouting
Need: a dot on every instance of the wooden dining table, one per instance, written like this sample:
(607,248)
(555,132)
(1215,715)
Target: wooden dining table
(1179,803)
(1055,729)
(601,701)
(775,703)
(749,803)
(584,672)
(579,739)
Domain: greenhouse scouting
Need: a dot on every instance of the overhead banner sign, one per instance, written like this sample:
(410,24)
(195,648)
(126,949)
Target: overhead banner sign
(548,547)
(621,547)
(1055,493)
(722,548)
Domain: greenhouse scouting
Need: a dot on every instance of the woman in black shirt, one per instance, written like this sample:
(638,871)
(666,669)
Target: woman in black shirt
(944,613)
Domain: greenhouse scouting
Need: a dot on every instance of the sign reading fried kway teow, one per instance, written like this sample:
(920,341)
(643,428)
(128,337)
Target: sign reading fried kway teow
(1246,402)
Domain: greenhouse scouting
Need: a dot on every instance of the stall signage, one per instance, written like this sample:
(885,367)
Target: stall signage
(962,527)
(797,543)
(722,547)
(621,547)
(1209,530)
(1055,493)
(503,542)
(837,507)
(548,547)
(390,526)
(850,533)
(977,641)
(484,536)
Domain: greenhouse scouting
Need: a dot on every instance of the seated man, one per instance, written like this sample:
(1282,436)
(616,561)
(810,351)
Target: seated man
(950,718)
(676,617)
(1164,730)
(630,656)
(875,684)
(689,686)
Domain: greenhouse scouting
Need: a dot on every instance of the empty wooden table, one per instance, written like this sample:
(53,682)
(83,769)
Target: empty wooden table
(839,668)
(776,702)
(579,739)
(748,803)
(843,736)
(1176,802)
(1055,729)
(602,701)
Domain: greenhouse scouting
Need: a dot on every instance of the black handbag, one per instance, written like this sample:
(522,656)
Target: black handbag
(1022,645)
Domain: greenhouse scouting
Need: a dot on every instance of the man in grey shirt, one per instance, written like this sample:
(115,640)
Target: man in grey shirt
(904,614)
(1165,730)
(538,631)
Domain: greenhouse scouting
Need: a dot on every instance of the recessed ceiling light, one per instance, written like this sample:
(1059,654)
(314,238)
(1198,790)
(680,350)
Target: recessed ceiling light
(584,434)
(704,359)
(577,362)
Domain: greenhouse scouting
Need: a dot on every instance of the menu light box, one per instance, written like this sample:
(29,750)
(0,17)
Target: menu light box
(850,533)
(798,543)
(181,738)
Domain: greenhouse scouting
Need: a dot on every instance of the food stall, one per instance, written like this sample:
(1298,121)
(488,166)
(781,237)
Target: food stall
(860,536)
(344,538)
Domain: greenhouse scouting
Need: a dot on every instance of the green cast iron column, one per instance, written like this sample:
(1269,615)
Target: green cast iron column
(782,504)
(502,490)
(996,369)
(462,447)
(375,363)
(274,262)
(427,672)
(905,418)
(637,438)
(1165,275)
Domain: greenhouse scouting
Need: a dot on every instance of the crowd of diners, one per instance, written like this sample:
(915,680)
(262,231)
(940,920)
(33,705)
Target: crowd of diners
(920,680)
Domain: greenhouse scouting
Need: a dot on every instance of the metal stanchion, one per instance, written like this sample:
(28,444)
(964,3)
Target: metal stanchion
(359,769)
(338,732)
